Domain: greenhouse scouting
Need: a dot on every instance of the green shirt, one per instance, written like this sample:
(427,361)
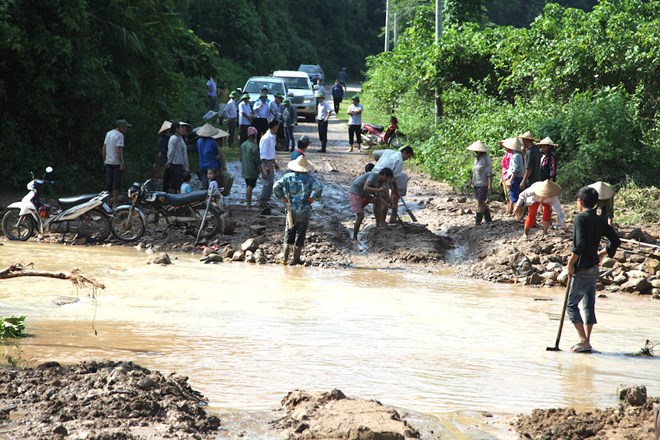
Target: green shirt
(250,159)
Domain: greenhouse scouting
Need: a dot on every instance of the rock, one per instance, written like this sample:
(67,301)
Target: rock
(554,266)
(656,283)
(238,256)
(548,249)
(652,266)
(249,257)
(162,258)
(641,285)
(228,251)
(228,225)
(524,266)
(550,276)
(562,278)
(212,258)
(634,395)
(257,229)
(251,244)
(534,279)
(60,430)
(608,262)
(462,200)
(636,274)
(636,258)
(260,257)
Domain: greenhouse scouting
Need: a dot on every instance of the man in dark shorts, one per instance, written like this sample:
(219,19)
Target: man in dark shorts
(367,188)
(250,164)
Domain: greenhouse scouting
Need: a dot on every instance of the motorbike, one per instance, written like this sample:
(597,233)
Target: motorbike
(377,135)
(178,210)
(85,215)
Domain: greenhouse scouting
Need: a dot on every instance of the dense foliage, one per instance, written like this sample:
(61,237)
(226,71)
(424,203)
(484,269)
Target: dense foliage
(589,80)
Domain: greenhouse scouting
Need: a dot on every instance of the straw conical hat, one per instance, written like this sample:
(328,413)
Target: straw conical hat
(166,126)
(207,130)
(478,146)
(605,191)
(221,134)
(527,135)
(546,141)
(511,144)
(546,188)
(301,164)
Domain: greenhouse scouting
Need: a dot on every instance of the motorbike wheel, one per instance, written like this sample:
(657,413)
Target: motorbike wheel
(17,227)
(95,225)
(212,224)
(127,225)
(397,141)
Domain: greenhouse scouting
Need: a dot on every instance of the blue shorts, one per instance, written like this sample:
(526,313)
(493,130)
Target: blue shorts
(514,191)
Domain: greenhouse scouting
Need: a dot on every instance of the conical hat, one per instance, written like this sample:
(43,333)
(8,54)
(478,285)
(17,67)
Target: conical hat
(511,144)
(207,130)
(546,188)
(221,134)
(546,141)
(527,135)
(478,146)
(166,126)
(301,164)
(605,191)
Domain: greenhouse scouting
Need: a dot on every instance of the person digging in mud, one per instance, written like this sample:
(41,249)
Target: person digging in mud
(298,189)
(300,150)
(368,187)
(582,266)
(540,193)
(393,160)
(481,180)
(605,200)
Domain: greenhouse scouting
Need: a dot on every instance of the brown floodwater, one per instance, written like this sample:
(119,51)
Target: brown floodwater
(246,334)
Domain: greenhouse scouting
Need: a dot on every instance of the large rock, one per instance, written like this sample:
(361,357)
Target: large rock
(641,285)
(652,266)
(162,258)
(524,266)
(608,262)
(251,244)
(534,279)
(634,395)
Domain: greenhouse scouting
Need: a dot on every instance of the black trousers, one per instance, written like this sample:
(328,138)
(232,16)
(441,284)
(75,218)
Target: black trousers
(354,130)
(323,133)
(296,235)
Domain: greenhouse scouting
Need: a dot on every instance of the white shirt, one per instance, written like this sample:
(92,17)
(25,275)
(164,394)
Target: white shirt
(261,108)
(355,119)
(267,146)
(231,110)
(323,110)
(244,107)
(114,138)
(528,197)
(391,159)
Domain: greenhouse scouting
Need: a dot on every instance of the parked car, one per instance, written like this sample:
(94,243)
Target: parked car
(314,72)
(304,98)
(255,84)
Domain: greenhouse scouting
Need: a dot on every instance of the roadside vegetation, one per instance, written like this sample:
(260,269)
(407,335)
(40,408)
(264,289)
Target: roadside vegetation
(588,80)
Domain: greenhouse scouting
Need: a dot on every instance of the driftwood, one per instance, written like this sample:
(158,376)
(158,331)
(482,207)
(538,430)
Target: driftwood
(79,280)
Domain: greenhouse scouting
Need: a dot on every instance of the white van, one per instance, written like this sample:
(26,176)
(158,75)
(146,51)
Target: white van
(304,97)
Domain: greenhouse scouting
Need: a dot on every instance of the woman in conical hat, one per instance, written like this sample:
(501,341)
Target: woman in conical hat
(515,171)
(543,193)
(605,200)
(161,155)
(481,179)
(548,164)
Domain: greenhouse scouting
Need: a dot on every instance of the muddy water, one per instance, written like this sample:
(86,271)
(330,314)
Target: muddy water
(246,335)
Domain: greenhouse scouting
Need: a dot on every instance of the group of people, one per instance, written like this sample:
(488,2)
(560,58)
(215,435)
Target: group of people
(529,171)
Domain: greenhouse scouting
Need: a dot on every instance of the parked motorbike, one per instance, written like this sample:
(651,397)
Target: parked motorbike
(377,135)
(85,215)
(179,210)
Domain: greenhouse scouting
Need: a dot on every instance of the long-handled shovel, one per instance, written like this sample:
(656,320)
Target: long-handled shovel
(561,321)
(206,211)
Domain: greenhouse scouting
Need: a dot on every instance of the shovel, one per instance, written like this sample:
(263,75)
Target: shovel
(412,216)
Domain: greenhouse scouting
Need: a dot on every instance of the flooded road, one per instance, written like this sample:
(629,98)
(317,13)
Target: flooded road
(246,335)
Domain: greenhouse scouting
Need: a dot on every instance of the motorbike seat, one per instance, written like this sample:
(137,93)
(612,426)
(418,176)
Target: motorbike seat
(184,199)
(378,128)
(69,202)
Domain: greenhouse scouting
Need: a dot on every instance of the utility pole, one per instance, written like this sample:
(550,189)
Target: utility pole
(387,25)
(438,35)
(395,30)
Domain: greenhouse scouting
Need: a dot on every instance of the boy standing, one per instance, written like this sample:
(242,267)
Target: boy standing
(582,267)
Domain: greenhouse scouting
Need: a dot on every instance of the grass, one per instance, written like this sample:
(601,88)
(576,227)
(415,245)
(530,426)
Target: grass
(634,205)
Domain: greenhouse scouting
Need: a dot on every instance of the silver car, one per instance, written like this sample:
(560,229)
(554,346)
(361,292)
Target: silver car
(255,84)
(304,98)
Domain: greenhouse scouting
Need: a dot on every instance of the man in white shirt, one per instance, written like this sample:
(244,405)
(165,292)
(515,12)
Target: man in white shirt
(245,117)
(393,160)
(113,158)
(268,163)
(355,122)
(323,112)
(231,115)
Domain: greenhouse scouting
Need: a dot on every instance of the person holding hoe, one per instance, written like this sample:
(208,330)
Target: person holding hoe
(582,266)
(298,189)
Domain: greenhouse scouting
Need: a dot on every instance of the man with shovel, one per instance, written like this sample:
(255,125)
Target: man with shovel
(298,189)
(582,266)
(393,160)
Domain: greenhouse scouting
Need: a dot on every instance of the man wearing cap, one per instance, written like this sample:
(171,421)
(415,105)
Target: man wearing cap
(605,200)
(337,95)
(298,189)
(300,150)
(355,122)
(323,112)
(231,114)
(393,160)
(113,158)
(532,159)
(545,194)
(245,117)
(268,163)
(250,164)
(289,117)
(261,110)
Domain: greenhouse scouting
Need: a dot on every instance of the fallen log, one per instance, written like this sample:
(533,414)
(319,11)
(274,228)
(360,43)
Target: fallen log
(18,270)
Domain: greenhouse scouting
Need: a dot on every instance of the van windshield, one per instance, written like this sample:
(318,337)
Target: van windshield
(295,83)
(256,86)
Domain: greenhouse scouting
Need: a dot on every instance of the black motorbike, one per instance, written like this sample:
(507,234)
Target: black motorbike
(178,210)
